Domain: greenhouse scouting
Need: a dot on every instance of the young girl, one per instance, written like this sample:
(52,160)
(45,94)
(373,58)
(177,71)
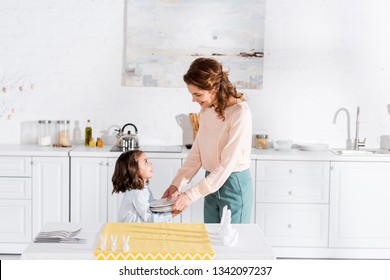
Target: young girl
(131,176)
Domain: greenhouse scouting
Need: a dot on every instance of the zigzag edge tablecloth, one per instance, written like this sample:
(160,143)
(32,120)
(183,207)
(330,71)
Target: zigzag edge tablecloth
(157,241)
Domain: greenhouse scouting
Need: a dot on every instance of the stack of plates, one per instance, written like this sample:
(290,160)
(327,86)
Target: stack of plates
(162,205)
(313,147)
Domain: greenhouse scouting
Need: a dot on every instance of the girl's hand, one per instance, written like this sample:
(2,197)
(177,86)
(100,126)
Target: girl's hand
(171,191)
(182,202)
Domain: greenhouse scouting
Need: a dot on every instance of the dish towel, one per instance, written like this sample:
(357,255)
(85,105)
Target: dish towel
(154,241)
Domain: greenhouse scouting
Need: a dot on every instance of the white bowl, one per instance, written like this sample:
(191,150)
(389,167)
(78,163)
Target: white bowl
(282,145)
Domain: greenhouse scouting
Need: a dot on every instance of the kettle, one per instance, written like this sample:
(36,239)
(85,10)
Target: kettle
(128,141)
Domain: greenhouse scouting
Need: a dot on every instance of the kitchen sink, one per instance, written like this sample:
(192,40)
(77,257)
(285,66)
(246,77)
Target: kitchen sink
(343,152)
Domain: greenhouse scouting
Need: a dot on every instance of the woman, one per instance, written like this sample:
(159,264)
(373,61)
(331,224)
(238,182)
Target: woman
(222,146)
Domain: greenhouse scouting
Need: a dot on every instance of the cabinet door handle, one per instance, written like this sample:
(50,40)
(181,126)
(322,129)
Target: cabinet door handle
(290,171)
(289,225)
(109,163)
(290,192)
(103,163)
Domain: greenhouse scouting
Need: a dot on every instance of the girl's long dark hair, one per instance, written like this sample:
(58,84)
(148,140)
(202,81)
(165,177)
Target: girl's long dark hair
(126,175)
(207,74)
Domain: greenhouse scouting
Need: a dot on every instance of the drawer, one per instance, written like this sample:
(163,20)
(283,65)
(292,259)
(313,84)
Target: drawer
(293,191)
(296,170)
(15,220)
(15,188)
(294,225)
(15,166)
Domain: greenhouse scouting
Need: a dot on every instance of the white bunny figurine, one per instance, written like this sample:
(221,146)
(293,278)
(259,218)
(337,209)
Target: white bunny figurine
(126,240)
(227,224)
(230,237)
(114,245)
(103,242)
(221,227)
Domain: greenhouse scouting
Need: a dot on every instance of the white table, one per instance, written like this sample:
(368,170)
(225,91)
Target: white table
(251,244)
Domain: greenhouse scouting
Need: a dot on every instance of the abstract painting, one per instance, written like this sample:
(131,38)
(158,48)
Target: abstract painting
(163,37)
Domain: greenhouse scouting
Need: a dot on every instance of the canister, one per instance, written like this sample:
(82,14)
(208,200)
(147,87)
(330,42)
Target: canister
(63,133)
(261,141)
(44,133)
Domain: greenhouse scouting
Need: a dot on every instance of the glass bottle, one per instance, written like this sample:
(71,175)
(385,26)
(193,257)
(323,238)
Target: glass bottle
(88,132)
(76,133)
(44,133)
(91,142)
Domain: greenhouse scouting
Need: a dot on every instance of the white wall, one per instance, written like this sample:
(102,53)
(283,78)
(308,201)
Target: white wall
(320,55)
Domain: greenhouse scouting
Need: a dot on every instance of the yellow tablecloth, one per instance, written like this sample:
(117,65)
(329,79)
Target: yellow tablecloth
(157,241)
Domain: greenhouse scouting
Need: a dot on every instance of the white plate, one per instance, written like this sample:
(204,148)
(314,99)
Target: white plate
(161,209)
(313,147)
(162,202)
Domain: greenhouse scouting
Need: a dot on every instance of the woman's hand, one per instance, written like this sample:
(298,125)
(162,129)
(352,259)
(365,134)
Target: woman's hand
(182,202)
(175,213)
(171,191)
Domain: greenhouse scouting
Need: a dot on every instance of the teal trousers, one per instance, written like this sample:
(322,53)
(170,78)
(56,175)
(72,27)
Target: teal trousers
(236,193)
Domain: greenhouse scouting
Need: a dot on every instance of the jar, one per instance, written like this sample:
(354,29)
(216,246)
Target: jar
(261,141)
(44,133)
(99,142)
(63,134)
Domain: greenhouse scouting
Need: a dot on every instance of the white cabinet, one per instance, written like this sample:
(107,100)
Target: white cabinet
(50,180)
(15,203)
(33,191)
(294,225)
(360,205)
(91,187)
(292,200)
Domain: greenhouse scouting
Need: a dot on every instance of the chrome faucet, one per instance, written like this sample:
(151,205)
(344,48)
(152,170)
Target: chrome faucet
(357,143)
(349,141)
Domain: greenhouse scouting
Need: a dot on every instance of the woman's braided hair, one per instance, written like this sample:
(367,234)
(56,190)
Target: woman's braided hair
(208,74)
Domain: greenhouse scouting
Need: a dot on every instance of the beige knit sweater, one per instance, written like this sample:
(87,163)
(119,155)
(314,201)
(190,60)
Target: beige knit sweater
(221,147)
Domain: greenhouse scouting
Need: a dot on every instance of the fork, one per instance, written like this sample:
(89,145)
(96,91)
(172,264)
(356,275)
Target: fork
(59,233)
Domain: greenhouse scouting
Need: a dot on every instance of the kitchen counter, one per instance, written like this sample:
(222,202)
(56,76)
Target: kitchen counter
(161,152)
(182,152)
(296,154)
(33,150)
